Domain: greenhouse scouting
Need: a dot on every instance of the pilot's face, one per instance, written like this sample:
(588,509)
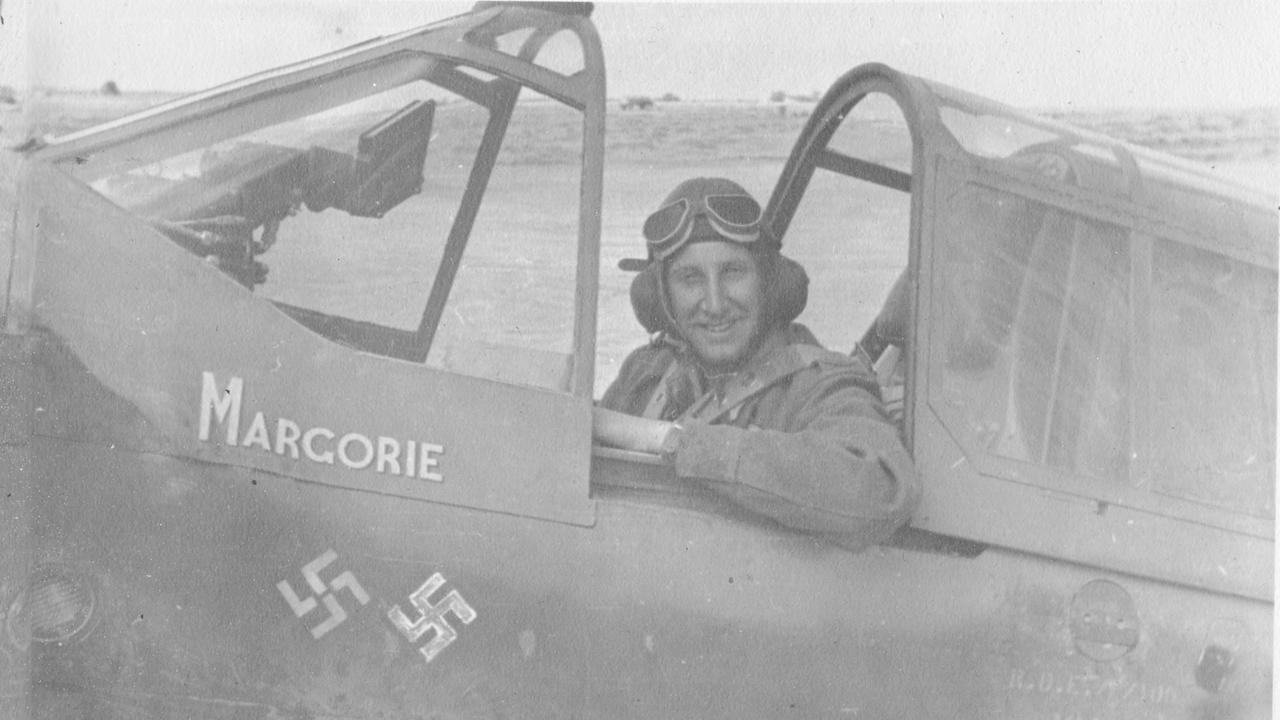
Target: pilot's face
(717,298)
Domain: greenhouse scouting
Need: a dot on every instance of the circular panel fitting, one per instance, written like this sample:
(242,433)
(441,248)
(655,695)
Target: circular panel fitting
(57,606)
(1104,621)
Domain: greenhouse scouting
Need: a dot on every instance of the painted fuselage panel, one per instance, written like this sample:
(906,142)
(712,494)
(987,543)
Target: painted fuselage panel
(223,587)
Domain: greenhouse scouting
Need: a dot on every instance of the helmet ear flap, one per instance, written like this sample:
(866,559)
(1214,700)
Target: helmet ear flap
(646,299)
(789,291)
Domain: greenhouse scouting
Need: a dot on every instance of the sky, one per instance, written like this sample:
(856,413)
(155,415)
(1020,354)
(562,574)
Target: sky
(1032,54)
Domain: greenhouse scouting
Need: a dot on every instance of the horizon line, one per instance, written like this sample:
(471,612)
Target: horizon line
(762,99)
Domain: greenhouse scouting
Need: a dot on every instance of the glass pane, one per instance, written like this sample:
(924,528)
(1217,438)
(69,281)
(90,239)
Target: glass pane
(381,269)
(1033,321)
(355,255)
(562,54)
(1040,148)
(510,311)
(1213,360)
(511,42)
(993,136)
(875,130)
(851,235)
(360,231)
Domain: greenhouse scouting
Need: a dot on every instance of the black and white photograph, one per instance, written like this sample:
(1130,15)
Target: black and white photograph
(399,360)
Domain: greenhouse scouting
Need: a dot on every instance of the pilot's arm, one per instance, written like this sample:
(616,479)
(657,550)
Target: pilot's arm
(836,465)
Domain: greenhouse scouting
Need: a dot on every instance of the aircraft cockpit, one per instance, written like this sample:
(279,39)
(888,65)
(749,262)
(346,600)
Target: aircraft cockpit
(1047,299)
(300,375)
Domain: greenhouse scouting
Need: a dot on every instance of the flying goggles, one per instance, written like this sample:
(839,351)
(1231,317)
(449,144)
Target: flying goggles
(736,217)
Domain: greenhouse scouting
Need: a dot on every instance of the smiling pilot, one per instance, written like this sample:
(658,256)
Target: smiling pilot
(738,396)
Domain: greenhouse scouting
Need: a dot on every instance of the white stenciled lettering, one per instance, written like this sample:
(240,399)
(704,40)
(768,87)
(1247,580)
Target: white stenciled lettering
(225,405)
(287,433)
(345,456)
(388,455)
(308,445)
(221,407)
(427,461)
(410,459)
(257,433)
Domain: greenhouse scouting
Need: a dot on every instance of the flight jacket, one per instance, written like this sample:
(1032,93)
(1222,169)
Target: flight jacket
(813,450)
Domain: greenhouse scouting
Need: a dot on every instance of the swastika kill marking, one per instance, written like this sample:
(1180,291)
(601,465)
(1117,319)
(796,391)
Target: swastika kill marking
(303,606)
(432,617)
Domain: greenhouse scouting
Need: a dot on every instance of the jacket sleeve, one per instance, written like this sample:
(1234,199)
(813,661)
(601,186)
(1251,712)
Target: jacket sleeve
(836,466)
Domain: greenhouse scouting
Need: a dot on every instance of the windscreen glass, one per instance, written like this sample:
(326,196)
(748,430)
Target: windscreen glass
(1044,356)
(1213,379)
(278,209)
(1033,311)
(850,234)
(357,219)
(1029,146)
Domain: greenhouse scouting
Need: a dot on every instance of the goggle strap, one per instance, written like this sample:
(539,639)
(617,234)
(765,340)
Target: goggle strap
(740,238)
(670,247)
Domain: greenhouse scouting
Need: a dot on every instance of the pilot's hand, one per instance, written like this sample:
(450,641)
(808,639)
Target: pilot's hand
(632,433)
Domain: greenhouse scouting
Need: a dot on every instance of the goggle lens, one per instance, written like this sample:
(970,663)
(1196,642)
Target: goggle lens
(735,216)
(662,227)
(737,210)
